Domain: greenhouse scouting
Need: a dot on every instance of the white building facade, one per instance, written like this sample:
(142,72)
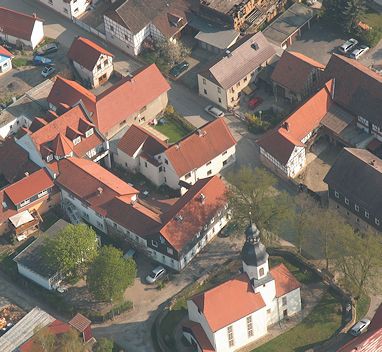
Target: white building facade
(68,8)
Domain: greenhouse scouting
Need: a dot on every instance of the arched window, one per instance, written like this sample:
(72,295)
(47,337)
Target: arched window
(261,272)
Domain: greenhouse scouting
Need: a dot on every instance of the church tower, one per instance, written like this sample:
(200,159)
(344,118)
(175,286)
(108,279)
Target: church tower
(254,255)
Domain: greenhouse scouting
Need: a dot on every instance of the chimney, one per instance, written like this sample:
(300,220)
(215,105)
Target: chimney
(26,174)
(228,53)
(286,125)
(372,162)
(99,190)
(200,132)
(202,198)
(177,146)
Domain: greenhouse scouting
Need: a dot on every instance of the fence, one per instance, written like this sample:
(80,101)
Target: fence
(89,29)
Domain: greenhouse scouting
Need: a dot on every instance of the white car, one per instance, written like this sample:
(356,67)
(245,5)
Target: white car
(214,111)
(156,274)
(47,71)
(348,46)
(359,327)
(358,52)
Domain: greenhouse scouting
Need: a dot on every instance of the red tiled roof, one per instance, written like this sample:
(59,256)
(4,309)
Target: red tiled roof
(200,147)
(29,186)
(228,302)
(86,53)
(79,322)
(118,102)
(200,336)
(284,280)
(5,52)
(280,142)
(137,136)
(61,145)
(92,183)
(293,71)
(57,327)
(195,213)
(17,24)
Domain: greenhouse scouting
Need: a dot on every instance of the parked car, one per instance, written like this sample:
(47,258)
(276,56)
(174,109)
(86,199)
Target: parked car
(348,46)
(228,230)
(48,49)
(130,253)
(214,111)
(357,53)
(156,274)
(178,69)
(41,60)
(47,71)
(359,327)
(254,102)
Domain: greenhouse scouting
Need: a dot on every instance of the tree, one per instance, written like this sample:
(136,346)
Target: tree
(72,249)
(110,274)
(44,340)
(71,342)
(103,345)
(302,218)
(351,14)
(172,51)
(359,261)
(253,191)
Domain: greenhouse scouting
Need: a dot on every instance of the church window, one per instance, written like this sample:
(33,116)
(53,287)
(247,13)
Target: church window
(249,326)
(231,342)
(284,301)
(261,272)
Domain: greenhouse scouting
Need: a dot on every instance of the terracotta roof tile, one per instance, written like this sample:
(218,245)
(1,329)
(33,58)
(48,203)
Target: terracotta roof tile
(29,186)
(137,136)
(200,147)
(5,52)
(284,280)
(79,322)
(294,70)
(118,102)
(86,53)
(228,302)
(17,24)
(200,336)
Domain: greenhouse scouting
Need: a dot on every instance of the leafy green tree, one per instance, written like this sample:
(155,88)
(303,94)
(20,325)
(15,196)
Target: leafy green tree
(252,191)
(351,13)
(72,249)
(110,274)
(103,345)
(71,342)
(44,340)
(172,51)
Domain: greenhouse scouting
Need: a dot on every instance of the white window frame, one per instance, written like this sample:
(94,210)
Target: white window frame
(77,140)
(346,201)
(42,194)
(336,194)
(25,202)
(231,341)
(284,301)
(367,214)
(154,243)
(170,251)
(249,326)
(356,207)
(49,158)
(377,222)
(89,132)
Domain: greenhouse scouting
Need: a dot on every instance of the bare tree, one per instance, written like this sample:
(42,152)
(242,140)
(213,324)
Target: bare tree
(172,51)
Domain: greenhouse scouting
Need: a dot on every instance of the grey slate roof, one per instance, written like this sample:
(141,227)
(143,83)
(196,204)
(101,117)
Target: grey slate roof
(31,257)
(242,60)
(288,23)
(354,175)
(219,39)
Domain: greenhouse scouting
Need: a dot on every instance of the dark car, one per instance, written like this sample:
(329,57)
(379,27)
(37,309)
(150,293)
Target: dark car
(228,230)
(48,49)
(179,69)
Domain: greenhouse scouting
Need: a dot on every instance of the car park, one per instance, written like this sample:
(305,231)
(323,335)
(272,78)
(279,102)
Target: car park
(254,102)
(48,49)
(214,111)
(156,274)
(357,53)
(41,60)
(178,69)
(130,253)
(47,71)
(359,327)
(348,46)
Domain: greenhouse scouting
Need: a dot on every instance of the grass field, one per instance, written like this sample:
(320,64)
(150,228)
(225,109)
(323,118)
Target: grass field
(173,130)
(373,19)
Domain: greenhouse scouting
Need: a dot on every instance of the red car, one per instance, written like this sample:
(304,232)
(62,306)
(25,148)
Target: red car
(256,101)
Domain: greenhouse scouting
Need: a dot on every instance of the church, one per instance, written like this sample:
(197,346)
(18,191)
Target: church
(239,311)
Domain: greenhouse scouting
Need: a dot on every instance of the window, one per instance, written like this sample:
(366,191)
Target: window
(219,90)
(209,163)
(187,176)
(126,37)
(160,168)
(166,161)
(367,214)
(112,28)
(66,10)
(356,207)
(99,67)
(336,194)
(88,133)
(261,272)
(209,172)
(224,153)
(245,79)
(154,243)
(51,2)
(143,109)
(284,301)
(24,203)
(49,158)
(204,81)
(377,221)
(225,162)
(249,326)
(346,201)
(42,194)
(122,123)
(220,100)
(76,140)
(205,91)
(237,84)
(145,164)
(269,311)
(170,251)
(231,342)
(76,10)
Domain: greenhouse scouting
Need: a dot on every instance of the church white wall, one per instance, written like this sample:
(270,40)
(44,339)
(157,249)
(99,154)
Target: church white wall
(267,291)
(254,272)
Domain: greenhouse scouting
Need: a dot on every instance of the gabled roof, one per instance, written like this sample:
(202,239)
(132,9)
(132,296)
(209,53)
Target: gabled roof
(79,322)
(92,183)
(200,336)
(244,57)
(293,71)
(200,147)
(228,302)
(280,142)
(17,24)
(5,52)
(357,88)
(29,186)
(284,280)
(137,137)
(194,210)
(358,172)
(86,53)
(117,103)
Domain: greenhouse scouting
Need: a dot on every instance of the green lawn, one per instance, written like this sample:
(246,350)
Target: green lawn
(20,61)
(373,19)
(362,306)
(317,327)
(173,130)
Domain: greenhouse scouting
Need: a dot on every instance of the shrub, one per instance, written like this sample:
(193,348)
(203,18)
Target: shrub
(256,124)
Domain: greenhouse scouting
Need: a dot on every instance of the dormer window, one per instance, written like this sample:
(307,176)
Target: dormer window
(49,158)
(76,140)
(24,203)
(89,132)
